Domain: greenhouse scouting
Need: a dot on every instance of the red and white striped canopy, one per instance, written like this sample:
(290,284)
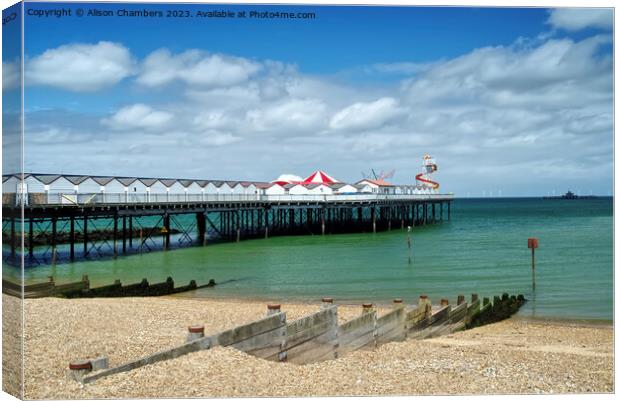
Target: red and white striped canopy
(319,177)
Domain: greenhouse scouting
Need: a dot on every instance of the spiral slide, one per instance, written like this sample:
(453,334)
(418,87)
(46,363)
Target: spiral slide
(433,184)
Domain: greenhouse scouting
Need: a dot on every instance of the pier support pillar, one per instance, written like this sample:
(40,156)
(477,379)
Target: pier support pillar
(266,220)
(238,226)
(449,203)
(31,237)
(373,215)
(54,240)
(130,231)
(124,234)
(85,236)
(359,216)
(323,221)
(13,239)
(72,238)
(166,231)
(201,226)
(115,234)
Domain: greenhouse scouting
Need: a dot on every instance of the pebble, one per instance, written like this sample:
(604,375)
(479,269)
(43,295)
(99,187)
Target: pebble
(483,360)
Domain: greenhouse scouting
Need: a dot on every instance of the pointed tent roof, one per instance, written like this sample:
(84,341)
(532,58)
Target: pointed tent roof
(148,181)
(47,178)
(76,179)
(319,177)
(102,180)
(186,183)
(126,181)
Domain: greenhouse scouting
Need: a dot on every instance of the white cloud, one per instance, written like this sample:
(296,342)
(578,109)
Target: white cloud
(364,116)
(10,75)
(293,116)
(195,67)
(499,114)
(137,116)
(80,67)
(575,19)
(214,138)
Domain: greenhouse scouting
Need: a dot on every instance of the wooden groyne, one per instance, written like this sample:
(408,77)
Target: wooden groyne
(318,337)
(82,289)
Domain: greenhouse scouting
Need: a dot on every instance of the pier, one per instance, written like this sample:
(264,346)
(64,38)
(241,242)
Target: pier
(92,226)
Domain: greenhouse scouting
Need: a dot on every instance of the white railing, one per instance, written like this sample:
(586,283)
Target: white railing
(130,198)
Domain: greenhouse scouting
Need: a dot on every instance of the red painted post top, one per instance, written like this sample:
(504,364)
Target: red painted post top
(532,243)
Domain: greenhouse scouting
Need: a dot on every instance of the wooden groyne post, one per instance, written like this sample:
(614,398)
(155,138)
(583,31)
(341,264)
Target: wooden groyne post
(409,242)
(532,243)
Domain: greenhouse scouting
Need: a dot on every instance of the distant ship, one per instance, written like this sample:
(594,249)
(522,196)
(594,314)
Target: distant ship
(570,195)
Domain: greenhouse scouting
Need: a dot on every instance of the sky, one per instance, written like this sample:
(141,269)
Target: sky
(510,101)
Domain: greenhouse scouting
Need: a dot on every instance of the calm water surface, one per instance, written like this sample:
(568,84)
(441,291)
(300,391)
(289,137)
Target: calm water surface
(482,249)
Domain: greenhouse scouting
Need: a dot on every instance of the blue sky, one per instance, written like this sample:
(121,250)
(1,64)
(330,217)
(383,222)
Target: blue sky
(497,95)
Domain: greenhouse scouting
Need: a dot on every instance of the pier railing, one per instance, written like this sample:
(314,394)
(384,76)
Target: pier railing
(132,198)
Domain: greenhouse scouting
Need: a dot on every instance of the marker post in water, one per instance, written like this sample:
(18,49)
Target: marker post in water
(532,243)
(409,242)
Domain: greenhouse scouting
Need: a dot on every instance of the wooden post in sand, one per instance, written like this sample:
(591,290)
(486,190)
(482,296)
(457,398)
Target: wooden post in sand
(327,303)
(409,242)
(273,309)
(195,332)
(532,243)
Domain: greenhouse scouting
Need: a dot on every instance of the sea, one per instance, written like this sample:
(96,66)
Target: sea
(482,249)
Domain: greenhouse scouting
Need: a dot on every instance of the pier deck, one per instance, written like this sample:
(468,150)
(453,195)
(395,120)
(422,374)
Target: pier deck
(100,225)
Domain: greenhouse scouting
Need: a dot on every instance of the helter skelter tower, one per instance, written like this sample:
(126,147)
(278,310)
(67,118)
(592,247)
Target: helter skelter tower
(429,167)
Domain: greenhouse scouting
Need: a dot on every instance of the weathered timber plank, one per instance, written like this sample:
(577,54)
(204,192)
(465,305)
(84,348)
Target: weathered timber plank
(458,313)
(311,326)
(266,345)
(77,286)
(313,337)
(473,310)
(429,325)
(357,333)
(193,346)
(240,333)
(228,337)
(391,326)
(319,348)
(439,321)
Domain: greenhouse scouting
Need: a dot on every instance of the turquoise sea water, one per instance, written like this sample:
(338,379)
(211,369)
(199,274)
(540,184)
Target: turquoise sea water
(483,249)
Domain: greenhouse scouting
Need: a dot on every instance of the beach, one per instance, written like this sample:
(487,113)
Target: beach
(513,356)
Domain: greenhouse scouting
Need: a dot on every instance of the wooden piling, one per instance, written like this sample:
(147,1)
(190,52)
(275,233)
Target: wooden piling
(85,227)
(53,240)
(273,309)
(374,219)
(201,227)
(13,237)
(31,237)
(72,238)
(115,233)
(532,243)
(367,308)
(124,234)
(166,231)
(131,232)
(409,243)
(195,332)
